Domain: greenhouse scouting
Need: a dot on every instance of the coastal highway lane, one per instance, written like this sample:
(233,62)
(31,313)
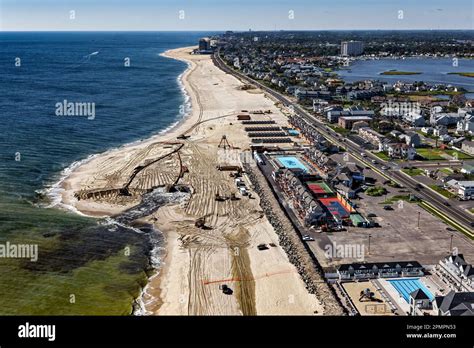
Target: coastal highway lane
(355,150)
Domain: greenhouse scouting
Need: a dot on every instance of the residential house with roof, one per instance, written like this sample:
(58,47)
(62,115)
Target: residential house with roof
(458,272)
(466,125)
(372,137)
(400,150)
(411,138)
(445,118)
(455,304)
(468,147)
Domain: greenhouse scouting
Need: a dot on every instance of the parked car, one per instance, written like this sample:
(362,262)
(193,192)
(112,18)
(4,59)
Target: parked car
(307,237)
(384,167)
(388,207)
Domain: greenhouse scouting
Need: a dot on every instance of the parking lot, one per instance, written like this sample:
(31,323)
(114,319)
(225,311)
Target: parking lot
(407,232)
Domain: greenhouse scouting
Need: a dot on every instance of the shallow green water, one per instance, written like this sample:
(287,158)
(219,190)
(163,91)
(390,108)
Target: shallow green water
(82,267)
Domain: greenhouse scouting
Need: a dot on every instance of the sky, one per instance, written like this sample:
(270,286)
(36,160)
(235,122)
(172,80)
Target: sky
(219,15)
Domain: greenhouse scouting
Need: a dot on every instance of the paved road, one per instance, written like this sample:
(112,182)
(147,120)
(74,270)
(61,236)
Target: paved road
(387,169)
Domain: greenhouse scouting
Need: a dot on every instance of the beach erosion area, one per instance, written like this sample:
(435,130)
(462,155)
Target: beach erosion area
(198,260)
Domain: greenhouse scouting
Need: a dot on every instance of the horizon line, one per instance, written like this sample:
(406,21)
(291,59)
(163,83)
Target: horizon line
(215,30)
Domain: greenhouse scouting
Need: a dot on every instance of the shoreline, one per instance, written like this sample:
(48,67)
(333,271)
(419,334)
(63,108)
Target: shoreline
(57,191)
(67,183)
(186,282)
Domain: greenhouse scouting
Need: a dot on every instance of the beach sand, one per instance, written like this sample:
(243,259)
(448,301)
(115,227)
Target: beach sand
(198,261)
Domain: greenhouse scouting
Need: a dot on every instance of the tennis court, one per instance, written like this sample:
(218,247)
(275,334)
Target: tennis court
(335,207)
(320,188)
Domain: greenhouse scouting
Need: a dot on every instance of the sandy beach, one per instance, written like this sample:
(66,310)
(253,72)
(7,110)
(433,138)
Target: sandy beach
(198,261)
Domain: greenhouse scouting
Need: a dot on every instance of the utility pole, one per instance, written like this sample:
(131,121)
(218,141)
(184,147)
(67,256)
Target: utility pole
(419,219)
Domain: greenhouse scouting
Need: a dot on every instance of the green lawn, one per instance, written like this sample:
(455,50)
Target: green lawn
(413,171)
(382,156)
(458,155)
(397,198)
(446,171)
(442,191)
(376,191)
(431,154)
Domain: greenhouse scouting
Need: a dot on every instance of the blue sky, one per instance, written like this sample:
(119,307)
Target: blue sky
(235,14)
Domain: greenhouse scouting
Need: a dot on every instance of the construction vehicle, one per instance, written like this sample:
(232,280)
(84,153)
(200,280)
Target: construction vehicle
(220,198)
(201,222)
(225,289)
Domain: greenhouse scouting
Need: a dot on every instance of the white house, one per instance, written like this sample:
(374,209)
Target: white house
(400,150)
(440,130)
(466,125)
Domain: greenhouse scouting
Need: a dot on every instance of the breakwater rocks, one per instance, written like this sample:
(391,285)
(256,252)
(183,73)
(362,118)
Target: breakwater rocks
(308,267)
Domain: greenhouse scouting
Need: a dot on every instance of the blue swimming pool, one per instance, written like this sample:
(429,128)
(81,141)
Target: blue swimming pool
(291,162)
(406,286)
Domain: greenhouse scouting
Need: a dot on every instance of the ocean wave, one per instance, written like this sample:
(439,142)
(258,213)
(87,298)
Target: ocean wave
(54,191)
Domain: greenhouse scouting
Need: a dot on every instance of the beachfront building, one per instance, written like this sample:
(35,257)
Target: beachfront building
(457,272)
(304,203)
(419,301)
(352,48)
(355,271)
(455,304)
(205,46)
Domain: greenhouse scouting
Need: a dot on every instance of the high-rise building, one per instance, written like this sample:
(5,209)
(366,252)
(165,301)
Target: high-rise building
(352,48)
(205,45)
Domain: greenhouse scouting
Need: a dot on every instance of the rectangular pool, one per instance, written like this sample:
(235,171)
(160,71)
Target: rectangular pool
(406,286)
(291,162)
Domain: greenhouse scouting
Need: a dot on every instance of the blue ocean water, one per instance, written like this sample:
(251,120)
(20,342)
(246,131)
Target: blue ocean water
(77,256)
(130,102)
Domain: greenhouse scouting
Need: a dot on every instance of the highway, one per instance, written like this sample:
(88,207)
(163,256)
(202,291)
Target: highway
(461,219)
